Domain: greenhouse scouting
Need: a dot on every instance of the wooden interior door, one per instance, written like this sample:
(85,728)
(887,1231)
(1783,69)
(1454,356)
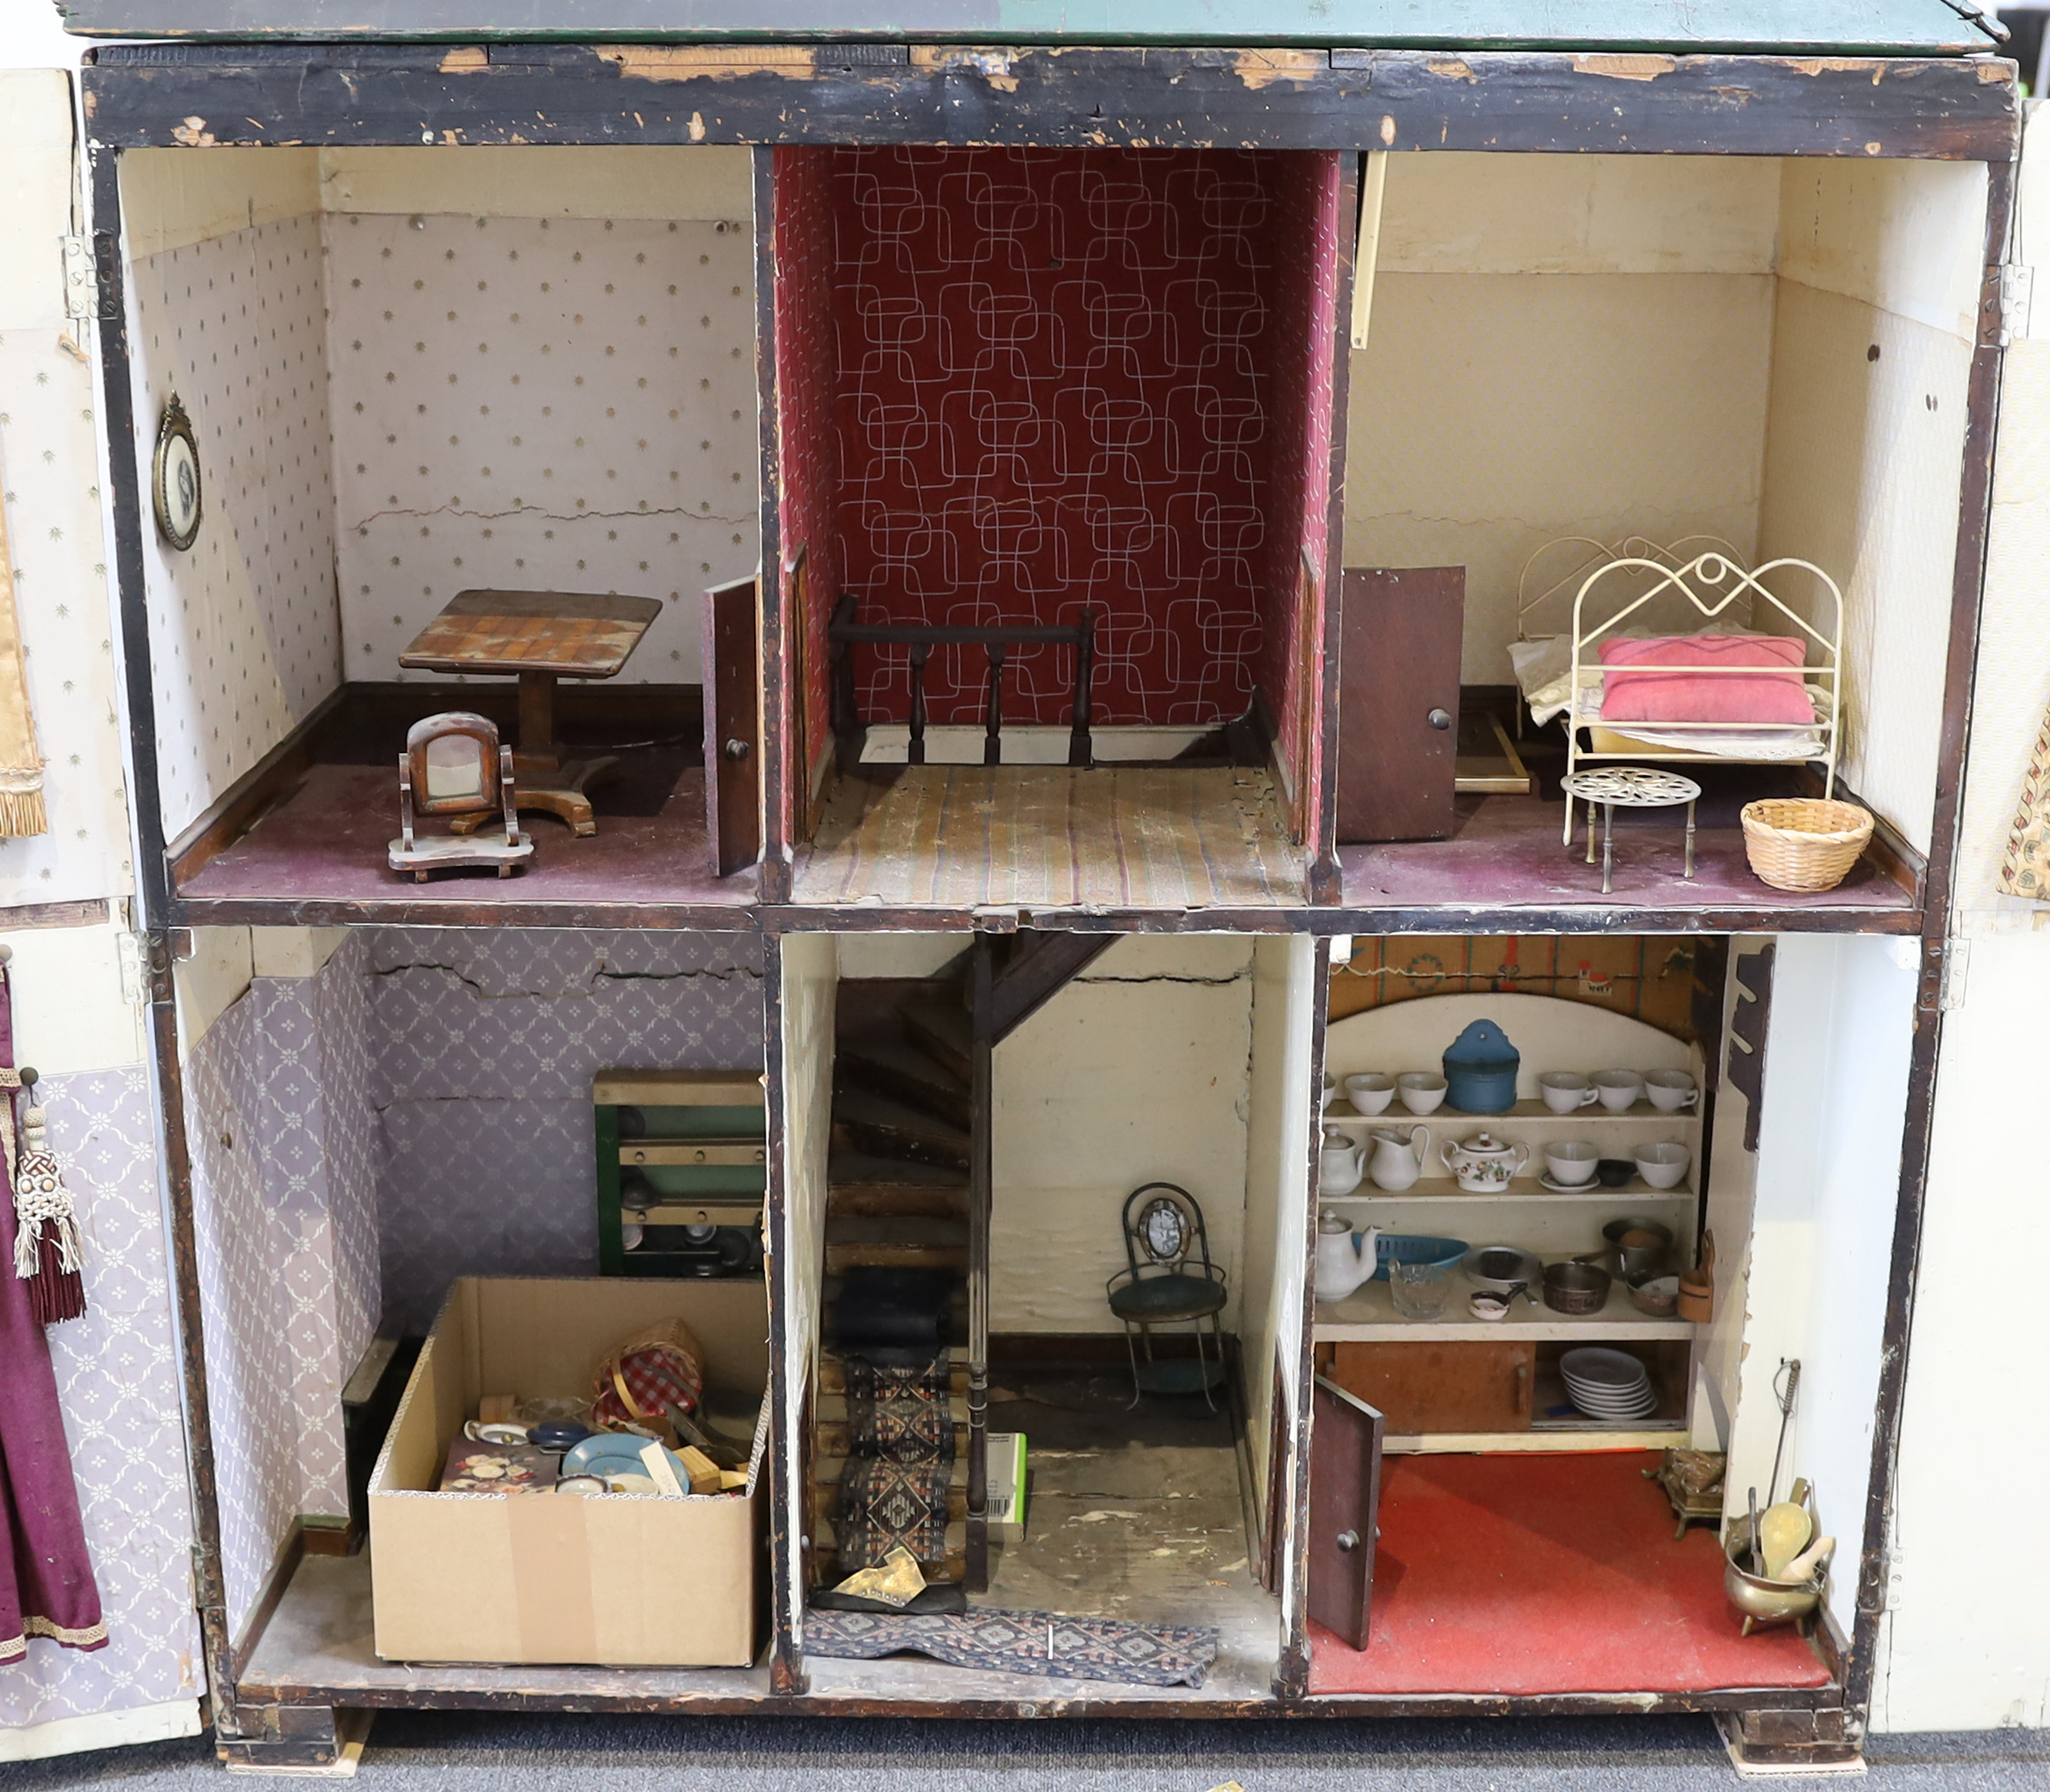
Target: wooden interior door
(1398,702)
(1440,1387)
(733,726)
(1345,1511)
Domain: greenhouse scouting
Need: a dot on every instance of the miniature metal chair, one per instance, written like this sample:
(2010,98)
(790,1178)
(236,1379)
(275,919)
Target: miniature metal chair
(1168,1280)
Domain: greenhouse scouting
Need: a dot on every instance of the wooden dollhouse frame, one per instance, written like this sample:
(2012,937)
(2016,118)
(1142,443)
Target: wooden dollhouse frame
(1348,98)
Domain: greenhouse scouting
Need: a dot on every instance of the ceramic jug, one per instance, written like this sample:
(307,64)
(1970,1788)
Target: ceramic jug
(1344,1258)
(1484,1164)
(1339,1163)
(1397,1162)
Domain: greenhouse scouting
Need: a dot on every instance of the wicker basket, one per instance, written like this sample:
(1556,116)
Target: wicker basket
(1804,843)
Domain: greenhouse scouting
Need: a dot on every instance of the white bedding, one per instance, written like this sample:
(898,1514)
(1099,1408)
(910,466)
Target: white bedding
(1544,668)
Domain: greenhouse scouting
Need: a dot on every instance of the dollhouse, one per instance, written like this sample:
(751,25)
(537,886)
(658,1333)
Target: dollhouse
(1087,517)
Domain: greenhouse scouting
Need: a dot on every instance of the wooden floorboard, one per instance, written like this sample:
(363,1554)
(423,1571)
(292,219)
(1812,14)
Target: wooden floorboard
(1055,837)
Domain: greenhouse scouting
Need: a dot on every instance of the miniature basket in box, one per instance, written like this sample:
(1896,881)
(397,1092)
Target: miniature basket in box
(1804,843)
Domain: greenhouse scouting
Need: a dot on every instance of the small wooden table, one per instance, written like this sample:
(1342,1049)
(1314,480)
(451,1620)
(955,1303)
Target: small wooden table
(538,636)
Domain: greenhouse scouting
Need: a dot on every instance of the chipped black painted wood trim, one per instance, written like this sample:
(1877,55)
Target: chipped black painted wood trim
(1961,110)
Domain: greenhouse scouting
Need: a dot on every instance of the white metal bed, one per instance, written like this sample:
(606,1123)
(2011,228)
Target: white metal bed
(1713,590)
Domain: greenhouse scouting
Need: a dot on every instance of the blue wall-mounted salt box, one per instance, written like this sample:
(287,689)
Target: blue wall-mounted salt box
(1481,1070)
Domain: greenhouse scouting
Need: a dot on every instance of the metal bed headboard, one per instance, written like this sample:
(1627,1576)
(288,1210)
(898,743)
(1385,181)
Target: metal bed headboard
(1711,571)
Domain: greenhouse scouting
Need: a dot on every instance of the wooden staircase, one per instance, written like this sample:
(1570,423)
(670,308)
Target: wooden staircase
(908,1188)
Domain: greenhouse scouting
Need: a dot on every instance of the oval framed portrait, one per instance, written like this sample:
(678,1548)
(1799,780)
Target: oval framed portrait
(175,478)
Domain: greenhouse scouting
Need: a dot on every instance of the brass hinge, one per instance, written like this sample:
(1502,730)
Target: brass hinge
(2018,288)
(89,282)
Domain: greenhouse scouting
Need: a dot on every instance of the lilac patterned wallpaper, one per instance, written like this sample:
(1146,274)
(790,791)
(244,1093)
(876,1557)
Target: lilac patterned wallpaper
(117,1373)
(485,1044)
(284,1207)
(417,1110)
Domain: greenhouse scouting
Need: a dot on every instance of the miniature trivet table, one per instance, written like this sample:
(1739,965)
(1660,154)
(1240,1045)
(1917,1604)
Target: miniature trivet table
(537,636)
(1627,787)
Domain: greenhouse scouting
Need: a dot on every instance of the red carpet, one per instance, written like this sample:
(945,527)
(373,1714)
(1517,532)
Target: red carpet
(1547,1574)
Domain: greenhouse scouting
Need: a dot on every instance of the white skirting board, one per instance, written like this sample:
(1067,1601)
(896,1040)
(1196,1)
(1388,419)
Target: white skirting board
(105,1729)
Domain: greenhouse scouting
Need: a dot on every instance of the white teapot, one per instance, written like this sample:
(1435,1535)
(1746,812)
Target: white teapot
(1340,1164)
(1484,1164)
(1344,1258)
(1397,1162)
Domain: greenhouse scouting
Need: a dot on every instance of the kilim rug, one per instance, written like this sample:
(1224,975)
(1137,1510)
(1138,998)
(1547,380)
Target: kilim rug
(1041,1643)
(900,1414)
(886,1503)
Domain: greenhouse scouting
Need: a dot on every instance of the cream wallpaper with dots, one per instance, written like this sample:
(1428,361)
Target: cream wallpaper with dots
(539,403)
(244,631)
(50,485)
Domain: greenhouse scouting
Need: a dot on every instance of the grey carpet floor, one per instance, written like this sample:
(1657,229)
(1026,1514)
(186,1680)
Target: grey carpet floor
(478,1752)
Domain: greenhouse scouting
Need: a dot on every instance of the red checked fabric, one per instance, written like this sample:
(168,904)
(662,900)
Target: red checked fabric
(641,1379)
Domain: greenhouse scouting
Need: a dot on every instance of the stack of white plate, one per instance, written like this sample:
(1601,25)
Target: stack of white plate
(1608,1384)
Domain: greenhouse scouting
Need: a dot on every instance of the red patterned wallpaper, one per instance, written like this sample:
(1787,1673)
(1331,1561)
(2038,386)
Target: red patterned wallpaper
(1307,247)
(807,443)
(1062,376)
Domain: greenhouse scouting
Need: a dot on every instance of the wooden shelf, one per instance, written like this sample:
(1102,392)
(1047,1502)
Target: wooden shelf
(1342,1112)
(1368,1316)
(1582,1437)
(1634,1192)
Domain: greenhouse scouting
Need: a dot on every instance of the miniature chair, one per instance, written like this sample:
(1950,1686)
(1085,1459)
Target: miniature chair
(453,765)
(1168,1280)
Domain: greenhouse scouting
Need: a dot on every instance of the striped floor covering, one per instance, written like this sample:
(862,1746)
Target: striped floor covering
(1053,837)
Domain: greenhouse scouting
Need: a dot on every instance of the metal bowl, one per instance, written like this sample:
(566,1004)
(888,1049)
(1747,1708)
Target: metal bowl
(1658,1295)
(1576,1287)
(1502,1269)
(1761,1601)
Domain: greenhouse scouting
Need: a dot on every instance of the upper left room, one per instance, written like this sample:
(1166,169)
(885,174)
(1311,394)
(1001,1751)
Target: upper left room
(476,431)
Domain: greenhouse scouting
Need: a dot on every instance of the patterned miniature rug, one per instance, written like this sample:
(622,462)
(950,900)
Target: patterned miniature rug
(1041,1643)
(884,1505)
(900,1414)
(899,1461)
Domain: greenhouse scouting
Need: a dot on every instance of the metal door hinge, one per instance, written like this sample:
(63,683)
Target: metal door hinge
(1944,969)
(2018,288)
(89,281)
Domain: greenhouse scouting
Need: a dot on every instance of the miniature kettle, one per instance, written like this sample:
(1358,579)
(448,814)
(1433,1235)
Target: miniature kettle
(1484,1164)
(1397,1162)
(1339,1165)
(1344,1258)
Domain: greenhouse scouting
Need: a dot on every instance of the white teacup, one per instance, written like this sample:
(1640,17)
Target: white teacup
(1571,1162)
(1662,1165)
(1565,1090)
(1422,1090)
(1330,1091)
(1371,1093)
(1670,1090)
(1619,1090)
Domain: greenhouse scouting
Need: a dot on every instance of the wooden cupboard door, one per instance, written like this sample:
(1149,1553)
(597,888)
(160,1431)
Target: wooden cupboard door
(1440,1387)
(1345,1511)
(733,726)
(1398,702)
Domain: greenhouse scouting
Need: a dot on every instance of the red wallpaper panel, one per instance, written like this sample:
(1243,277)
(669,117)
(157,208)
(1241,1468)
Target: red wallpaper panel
(808,445)
(1308,249)
(1058,376)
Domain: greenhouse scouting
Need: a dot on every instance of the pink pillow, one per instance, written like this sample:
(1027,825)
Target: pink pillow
(1718,697)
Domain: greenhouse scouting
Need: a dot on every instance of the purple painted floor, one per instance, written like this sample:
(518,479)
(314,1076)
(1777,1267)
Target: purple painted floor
(326,843)
(1506,851)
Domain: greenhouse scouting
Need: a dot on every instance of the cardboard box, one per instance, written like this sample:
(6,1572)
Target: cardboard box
(621,1581)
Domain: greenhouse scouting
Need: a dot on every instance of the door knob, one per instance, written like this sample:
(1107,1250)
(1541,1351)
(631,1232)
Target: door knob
(737,750)
(1440,718)
(1348,1541)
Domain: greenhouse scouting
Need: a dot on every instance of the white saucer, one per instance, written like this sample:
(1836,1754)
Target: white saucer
(1568,1188)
